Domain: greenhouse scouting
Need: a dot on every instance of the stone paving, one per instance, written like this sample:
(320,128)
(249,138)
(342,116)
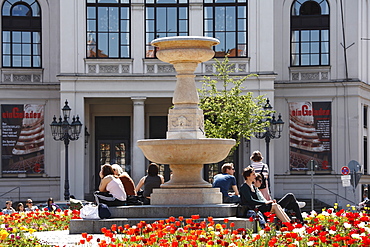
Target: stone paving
(63,238)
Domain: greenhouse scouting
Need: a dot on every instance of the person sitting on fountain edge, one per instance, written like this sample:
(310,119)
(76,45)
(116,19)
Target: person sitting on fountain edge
(224,181)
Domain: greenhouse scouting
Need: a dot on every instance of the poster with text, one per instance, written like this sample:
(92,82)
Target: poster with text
(22,139)
(310,135)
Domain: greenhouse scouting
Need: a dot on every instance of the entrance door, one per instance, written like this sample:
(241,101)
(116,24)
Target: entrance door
(112,143)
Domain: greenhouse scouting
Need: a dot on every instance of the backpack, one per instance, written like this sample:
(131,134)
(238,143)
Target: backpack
(104,212)
(263,184)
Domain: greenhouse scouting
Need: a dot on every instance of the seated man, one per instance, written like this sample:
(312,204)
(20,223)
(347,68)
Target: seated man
(288,201)
(226,180)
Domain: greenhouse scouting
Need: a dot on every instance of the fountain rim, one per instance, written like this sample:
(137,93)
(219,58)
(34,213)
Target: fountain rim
(185,38)
(199,141)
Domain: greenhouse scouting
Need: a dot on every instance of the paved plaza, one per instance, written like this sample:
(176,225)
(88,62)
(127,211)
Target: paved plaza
(63,238)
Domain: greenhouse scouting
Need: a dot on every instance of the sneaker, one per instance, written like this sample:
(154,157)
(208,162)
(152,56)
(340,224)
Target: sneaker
(301,204)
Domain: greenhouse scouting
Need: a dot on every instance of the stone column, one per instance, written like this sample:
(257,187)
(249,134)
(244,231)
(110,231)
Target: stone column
(138,159)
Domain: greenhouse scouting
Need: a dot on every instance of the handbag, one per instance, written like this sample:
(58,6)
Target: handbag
(90,211)
(263,184)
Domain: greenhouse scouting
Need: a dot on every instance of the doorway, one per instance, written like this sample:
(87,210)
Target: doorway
(112,143)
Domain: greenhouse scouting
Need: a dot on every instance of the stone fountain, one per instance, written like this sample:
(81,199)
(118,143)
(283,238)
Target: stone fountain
(186,149)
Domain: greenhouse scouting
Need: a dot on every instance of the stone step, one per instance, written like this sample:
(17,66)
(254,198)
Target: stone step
(165,211)
(78,226)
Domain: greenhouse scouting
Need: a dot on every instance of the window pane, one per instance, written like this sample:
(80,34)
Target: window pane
(36,49)
(36,37)
(17,49)
(36,11)
(17,61)
(125,1)
(315,47)
(324,8)
(305,35)
(220,19)
(6,48)
(315,35)
(208,25)
(21,10)
(17,37)
(103,44)
(124,51)
(221,37)
(107,1)
(6,36)
(102,19)
(295,47)
(91,25)
(26,61)
(305,60)
(305,48)
(230,19)
(36,61)
(150,25)
(242,25)
(325,59)
(91,51)
(183,25)
(26,49)
(295,60)
(113,19)
(149,37)
(315,59)
(230,43)
(172,15)
(325,47)
(125,26)
(242,13)
(242,37)
(208,12)
(91,1)
(113,45)
(6,9)
(161,20)
(325,35)
(91,14)
(149,13)
(6,61)
(183,13)
(125,13)
(125,39)
(295,36)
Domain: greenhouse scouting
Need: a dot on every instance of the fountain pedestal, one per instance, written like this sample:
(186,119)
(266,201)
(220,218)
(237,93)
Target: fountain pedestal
(186,149)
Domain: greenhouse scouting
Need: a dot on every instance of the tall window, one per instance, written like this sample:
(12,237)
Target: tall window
(226,20)
(108,29)
(164,18)
(310,33)
(21,34)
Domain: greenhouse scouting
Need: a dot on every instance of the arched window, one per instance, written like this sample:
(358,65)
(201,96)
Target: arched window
(21,34)
(226,20)
(310,33)
(164,18)
(108,29)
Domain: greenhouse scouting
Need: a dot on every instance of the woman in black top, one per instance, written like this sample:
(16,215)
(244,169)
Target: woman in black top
(151,181)
(248,197)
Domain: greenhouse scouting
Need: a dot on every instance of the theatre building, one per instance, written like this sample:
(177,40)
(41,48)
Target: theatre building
(311,58)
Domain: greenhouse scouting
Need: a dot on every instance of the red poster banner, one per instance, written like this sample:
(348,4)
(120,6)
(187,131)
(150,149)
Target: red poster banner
(22,142)
(310,135)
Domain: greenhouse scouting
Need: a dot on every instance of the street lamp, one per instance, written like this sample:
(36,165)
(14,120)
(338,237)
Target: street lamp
(65,131)
(272,131)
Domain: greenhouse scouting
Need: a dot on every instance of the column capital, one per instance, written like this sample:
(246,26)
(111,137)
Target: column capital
(138,100)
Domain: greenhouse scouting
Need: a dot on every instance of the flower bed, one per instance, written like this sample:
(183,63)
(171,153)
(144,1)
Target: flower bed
(16,229)
(330,228)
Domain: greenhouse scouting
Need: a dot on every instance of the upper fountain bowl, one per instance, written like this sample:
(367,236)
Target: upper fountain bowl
(185,48)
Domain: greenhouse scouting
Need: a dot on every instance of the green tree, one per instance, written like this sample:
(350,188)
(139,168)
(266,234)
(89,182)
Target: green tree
(229,112)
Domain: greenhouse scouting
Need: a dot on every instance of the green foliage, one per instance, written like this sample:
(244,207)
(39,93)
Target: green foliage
(229,112)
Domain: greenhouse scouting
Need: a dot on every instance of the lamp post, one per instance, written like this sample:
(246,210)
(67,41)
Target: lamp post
(65,131)
(272,131)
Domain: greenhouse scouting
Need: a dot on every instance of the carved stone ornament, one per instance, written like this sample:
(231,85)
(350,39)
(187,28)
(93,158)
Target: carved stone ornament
(209,68)
(166,69)
(92,68)
(242,67)
(36,78)
(310,76)
(22,78)
(150,68)
(324,76)
(7,77)
(108,68)
(295,76)
(125,69)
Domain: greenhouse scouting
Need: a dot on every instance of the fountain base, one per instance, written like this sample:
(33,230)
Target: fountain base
(186,196)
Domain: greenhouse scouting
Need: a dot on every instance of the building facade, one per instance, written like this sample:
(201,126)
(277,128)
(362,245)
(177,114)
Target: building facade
(96,54)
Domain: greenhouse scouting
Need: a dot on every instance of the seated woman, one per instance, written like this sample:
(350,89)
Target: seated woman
(128,183)
(151,181)
(249,197)
(288,201)
(111,191)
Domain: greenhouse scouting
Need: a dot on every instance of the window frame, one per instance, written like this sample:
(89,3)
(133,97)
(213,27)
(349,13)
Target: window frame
(303,25)
(119,5)
(150,51)
(214,4)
